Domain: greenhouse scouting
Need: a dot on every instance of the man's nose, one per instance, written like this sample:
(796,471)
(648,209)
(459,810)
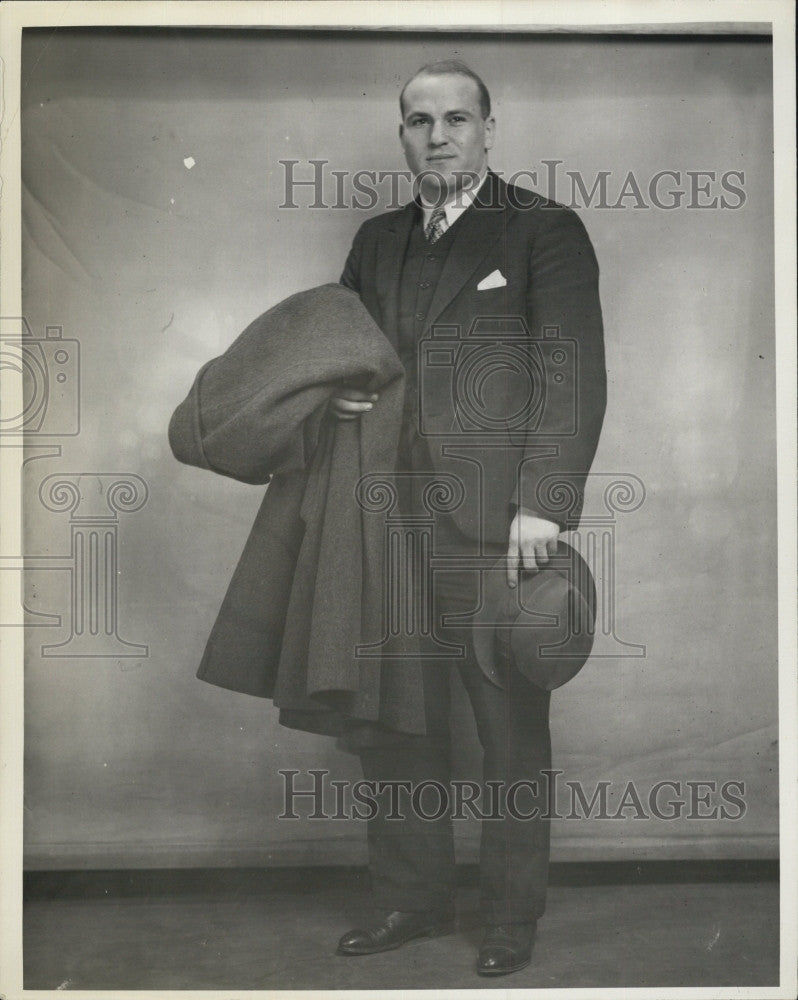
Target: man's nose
(438,134)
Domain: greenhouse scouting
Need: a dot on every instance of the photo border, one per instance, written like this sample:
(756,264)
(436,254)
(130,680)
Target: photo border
(633,16)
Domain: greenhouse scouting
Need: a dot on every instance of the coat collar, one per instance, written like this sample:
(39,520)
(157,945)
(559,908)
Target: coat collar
(473,236)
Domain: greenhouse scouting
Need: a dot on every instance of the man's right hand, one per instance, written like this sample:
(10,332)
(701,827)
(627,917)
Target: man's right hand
(348,404)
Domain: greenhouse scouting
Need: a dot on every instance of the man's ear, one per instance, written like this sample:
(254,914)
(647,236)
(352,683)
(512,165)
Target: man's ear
(490,132)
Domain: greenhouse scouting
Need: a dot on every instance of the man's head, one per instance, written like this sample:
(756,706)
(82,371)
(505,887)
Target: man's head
(446,127)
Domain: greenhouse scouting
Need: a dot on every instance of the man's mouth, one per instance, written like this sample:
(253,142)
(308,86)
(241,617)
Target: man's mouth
(437,159)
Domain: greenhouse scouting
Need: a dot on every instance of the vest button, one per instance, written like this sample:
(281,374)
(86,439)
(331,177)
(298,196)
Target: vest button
(431,257)
(420,317)
(424,284)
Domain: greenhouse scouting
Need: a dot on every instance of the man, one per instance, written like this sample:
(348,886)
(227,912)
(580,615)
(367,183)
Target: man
(471,256)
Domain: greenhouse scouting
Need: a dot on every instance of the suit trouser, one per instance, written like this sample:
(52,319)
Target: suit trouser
(411,859)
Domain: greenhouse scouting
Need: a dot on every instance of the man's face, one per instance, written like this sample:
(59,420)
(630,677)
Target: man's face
(443,133)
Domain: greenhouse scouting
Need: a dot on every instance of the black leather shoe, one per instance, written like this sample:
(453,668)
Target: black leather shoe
(506,948)
(392,932)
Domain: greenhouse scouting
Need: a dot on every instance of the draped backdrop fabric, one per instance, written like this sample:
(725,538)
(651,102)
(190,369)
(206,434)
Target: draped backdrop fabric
(157,173)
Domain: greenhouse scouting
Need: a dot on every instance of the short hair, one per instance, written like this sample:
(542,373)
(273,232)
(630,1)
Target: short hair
(451,67)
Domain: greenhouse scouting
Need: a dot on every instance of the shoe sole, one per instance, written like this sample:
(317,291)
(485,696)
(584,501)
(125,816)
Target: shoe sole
(433,932)
(488,973)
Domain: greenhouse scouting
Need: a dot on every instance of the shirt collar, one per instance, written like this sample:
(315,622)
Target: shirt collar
(458,203)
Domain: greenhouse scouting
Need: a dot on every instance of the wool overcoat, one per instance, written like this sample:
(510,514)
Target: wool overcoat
(308,588)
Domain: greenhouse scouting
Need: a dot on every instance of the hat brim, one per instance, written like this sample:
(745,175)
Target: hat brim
(543,628)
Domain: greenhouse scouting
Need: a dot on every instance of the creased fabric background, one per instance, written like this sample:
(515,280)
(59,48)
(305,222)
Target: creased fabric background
(154,267)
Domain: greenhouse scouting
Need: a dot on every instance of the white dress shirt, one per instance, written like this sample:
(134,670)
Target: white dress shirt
(454,208)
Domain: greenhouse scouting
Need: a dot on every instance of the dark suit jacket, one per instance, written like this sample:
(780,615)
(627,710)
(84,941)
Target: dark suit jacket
(512,380)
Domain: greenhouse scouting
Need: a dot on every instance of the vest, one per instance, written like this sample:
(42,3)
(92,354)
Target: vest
(421,270)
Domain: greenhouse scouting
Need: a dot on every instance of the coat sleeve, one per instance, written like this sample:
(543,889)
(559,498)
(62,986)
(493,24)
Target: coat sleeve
(185,428)
(563,302)
(244,415)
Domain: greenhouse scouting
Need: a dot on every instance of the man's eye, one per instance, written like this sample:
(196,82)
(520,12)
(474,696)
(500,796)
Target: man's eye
(457,119)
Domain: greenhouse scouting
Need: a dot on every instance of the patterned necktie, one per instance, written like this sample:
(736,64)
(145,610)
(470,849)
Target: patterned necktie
(434,229)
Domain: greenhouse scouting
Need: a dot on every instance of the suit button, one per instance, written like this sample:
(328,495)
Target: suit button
(419,317)
(424,284)
(431,256)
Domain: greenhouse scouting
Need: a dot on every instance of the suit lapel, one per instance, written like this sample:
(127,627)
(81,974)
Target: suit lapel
(391,246)
(473,234)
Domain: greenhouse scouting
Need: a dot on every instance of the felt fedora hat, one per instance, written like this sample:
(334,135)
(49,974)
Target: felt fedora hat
(543,627)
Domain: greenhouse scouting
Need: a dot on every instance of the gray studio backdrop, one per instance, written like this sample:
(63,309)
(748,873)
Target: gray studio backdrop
(153,234)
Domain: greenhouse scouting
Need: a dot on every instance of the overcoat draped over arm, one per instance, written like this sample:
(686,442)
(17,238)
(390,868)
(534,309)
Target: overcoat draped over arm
(308,588)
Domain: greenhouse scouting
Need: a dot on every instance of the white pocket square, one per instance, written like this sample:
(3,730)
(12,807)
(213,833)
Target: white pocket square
(494,280)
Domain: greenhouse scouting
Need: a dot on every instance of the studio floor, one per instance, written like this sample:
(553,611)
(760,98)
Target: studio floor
(238,929)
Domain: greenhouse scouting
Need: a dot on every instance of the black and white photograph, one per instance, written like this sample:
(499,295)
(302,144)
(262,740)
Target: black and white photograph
(398,466)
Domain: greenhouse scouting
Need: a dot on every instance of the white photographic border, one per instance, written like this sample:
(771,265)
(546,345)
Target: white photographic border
(584,16)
